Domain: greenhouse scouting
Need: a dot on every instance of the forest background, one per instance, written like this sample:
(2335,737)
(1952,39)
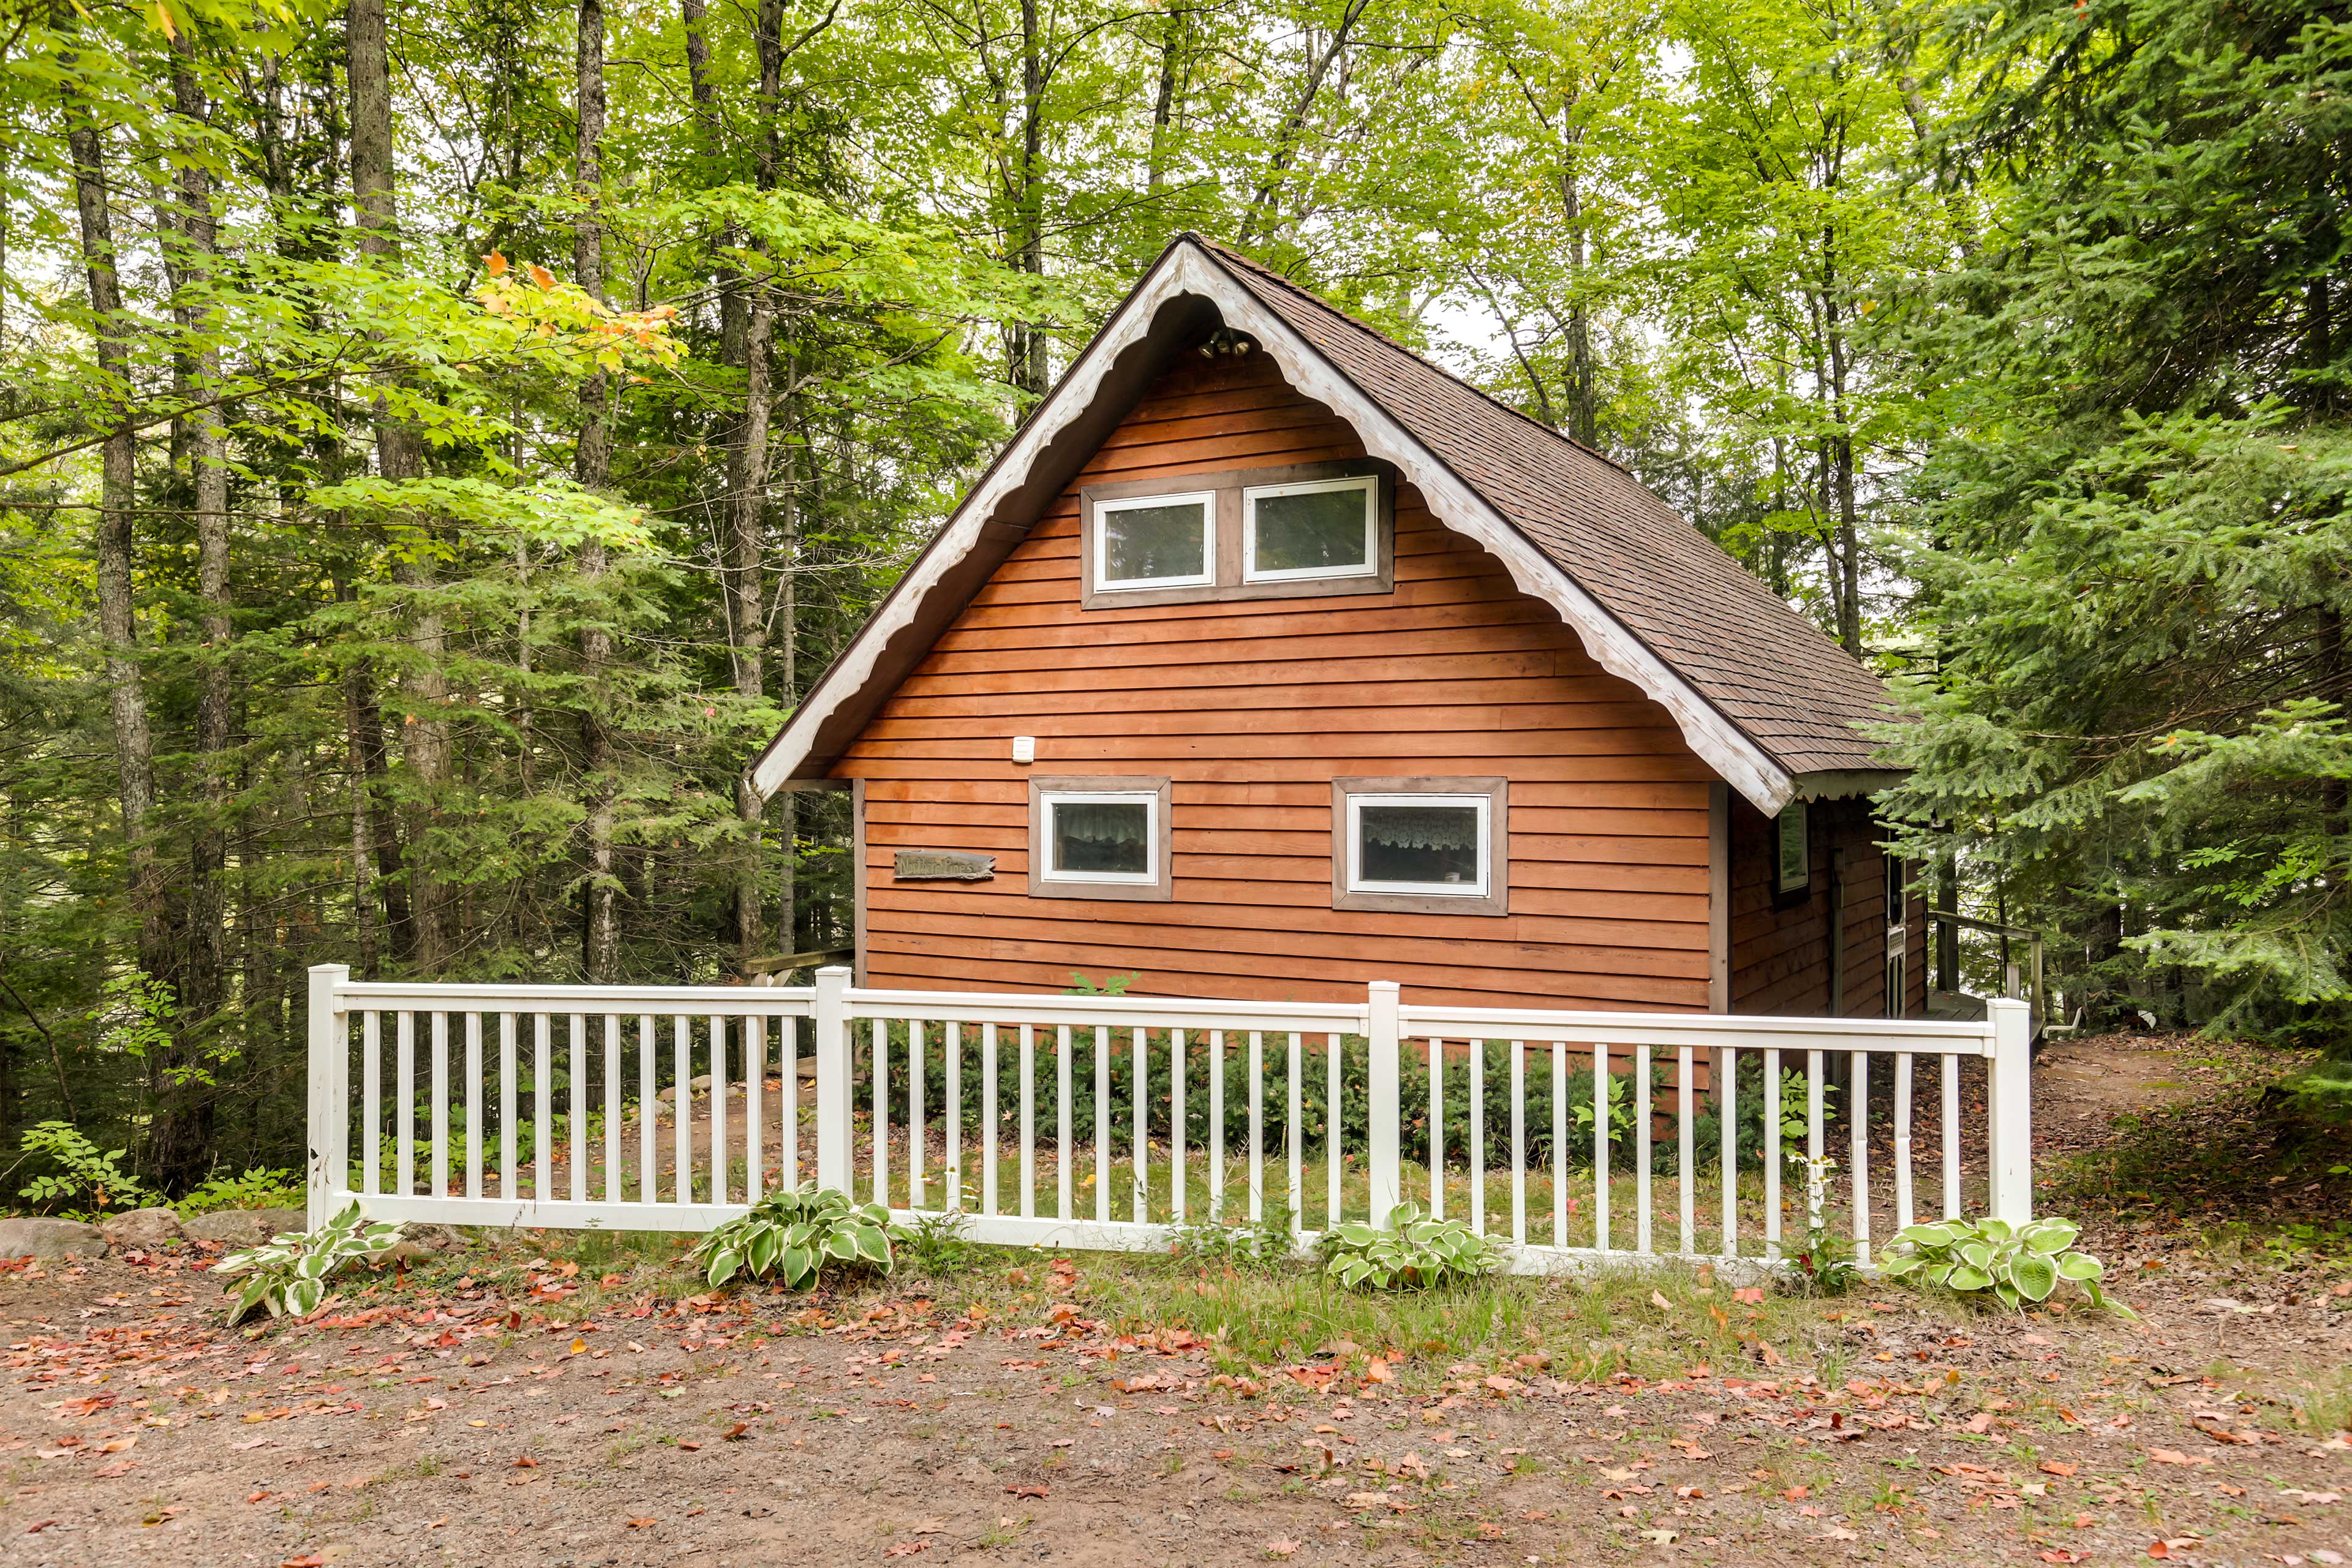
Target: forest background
(438,446)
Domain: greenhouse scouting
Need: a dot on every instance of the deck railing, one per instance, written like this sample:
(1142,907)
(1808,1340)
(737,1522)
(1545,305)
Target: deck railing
(1566,1136)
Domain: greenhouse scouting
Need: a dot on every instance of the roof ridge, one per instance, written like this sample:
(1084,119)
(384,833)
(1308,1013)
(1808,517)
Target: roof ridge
(1226,252)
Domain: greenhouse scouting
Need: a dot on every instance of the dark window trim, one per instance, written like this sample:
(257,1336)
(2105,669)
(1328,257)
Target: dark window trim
(1227,528)
(1785,898)
(1161,890)
(1498,899)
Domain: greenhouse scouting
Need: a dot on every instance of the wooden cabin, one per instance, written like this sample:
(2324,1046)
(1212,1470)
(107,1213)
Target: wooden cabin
(1269,659)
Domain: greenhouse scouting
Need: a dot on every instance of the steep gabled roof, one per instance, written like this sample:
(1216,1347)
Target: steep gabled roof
(1759,692)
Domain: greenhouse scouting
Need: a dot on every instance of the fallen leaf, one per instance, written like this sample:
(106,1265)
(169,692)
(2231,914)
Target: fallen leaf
(1376,1371)
(2056,1468)
(1658,1299)
(1281,1546)
(907,1548)
(690,1448)
(643,1524)
(735,1434)
(1027,1492)
(2175,1457)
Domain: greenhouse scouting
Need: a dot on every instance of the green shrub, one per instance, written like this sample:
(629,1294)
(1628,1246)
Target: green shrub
(290,1272)
(1245,1248)
(82,1182)
(256,1189)
(1354,1140)
(1414,1252)
(796,1236)
(2015,1265)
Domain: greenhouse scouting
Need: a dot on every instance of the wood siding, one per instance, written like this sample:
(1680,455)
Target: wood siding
(1781,947)
(1253,708)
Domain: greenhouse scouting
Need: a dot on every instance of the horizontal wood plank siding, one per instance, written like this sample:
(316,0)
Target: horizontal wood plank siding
(1253,707)
(1780,948)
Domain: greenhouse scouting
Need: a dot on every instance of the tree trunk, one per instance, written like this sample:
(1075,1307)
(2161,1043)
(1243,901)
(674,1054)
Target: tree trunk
(1174,28)
(134,747)
(1028,341)
(592,466)
(400,457)
(187,1121)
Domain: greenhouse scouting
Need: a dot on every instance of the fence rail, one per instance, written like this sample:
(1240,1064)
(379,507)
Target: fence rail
(1113,1122)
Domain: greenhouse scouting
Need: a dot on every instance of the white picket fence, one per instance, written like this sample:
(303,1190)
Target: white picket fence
(513,1105)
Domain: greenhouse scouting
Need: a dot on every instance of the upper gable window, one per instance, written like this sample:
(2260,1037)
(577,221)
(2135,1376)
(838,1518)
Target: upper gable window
(1155,542)
(1295,530)
(1321,528)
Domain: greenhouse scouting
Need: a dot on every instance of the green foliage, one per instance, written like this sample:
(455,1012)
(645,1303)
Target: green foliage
(82,1182)
(2016,1264)
(1413,1252)
(1158,1065)
(288,1274)
(256,1189)
(938,1245)
(1821,1262)
(1236,1245)
(795,1236)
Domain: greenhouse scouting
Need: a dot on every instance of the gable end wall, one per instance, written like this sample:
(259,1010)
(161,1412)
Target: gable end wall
(1252,708)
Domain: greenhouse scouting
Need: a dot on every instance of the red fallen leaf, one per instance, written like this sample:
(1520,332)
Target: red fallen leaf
(1376,1371)
(1980,1423)
(691,1447)
(643,1524)
(1222,1454)
(2060,1556)
(259,1496)
(1027,1492)
(37,1529)
(111,1471)
(907,1548)
(308,1560)
(2158,1549)
(735,1434)
(526,1463)
(2056,1468)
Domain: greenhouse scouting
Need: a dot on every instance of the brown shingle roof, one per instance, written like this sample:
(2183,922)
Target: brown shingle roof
(1769,670)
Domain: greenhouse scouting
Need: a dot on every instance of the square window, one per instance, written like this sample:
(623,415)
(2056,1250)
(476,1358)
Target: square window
(1099,838)
(1420,844)
(1325,528)
(1795,850)
(1155,542)
(1106,836)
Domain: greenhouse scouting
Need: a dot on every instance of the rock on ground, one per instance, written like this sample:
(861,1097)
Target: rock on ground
(144,1229)
(243,1227)
(49,1240)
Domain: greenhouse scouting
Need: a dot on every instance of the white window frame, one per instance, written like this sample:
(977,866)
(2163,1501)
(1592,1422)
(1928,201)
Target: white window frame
(1359,883)
(1049,799)
(1368,484)
(1098,543)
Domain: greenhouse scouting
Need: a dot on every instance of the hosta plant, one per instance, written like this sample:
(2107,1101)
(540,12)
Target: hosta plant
(2013,1264)
(288,1273)
(795,1236)
(1413,1252)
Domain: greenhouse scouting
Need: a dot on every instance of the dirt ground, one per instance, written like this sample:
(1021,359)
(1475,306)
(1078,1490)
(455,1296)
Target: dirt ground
(1021,1410)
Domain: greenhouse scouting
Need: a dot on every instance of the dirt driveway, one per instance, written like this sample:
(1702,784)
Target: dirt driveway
(1098,1410)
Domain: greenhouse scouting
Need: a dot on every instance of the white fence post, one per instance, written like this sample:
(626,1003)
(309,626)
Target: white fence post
(835,1165)
(331,1071)
(1383,1107)
(2009,1103)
